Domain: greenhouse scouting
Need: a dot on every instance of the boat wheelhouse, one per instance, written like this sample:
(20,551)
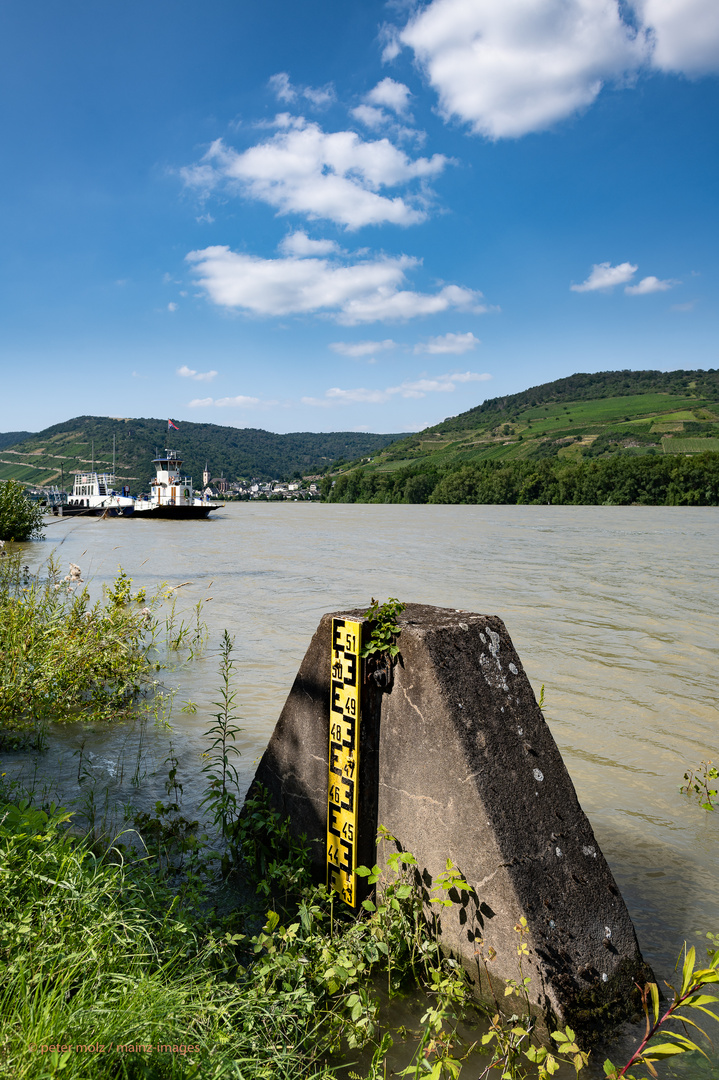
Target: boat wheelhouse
(171,494)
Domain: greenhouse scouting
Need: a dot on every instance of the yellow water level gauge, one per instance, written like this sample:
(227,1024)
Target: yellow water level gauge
(343,781)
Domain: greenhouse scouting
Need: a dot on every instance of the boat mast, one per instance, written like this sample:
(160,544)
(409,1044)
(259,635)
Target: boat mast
(113,455)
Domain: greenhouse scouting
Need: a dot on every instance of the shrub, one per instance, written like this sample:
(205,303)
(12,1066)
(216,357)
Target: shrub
(63,658)
(20,519)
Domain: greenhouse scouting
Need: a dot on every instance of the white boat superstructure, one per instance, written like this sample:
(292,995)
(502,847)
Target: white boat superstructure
(94,493)
(171,494)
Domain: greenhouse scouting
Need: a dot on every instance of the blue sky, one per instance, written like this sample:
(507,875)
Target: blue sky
(333,216)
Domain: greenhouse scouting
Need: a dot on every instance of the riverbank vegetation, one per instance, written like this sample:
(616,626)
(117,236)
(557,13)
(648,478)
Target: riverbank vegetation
(63,657)
(620,481)
(160,946)
(129,957)
(20,519)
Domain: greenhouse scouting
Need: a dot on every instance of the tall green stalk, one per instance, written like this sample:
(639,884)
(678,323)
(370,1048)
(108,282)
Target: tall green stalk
(220,770)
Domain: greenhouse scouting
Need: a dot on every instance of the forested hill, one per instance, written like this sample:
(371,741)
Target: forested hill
(586,387)
(10,438)
(612,436)
(60,450)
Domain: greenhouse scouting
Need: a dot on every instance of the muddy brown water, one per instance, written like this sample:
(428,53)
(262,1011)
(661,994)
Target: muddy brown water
(613,609)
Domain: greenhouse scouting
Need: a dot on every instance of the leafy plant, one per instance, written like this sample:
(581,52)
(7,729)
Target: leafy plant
(220,770)
(276,858)
(514,1038)
(687,998)
(697,781)
(20,519)
(385,631)
(65,658)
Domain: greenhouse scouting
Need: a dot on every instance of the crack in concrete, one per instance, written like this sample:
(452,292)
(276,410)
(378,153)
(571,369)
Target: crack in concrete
(411,703)
(412,795)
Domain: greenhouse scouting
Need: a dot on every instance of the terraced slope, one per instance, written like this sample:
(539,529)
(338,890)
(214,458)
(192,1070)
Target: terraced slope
(618,437)
(631,413)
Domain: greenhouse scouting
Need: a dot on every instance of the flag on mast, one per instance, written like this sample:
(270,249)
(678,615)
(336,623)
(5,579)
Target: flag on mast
(171,425)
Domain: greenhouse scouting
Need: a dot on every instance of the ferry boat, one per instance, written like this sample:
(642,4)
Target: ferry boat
(94,494)
(171,494)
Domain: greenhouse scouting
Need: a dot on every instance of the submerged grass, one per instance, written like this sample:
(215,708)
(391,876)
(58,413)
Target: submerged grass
(63,657)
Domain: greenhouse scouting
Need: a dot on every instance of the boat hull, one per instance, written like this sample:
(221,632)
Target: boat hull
(175,513)
(93,511)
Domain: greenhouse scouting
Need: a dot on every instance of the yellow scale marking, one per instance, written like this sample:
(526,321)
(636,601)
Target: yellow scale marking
(343,786)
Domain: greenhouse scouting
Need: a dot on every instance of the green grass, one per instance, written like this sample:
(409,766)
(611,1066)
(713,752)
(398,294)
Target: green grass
(606,410)
(392,466)
(99,952)
(28,474)
(689,446)
(116,967)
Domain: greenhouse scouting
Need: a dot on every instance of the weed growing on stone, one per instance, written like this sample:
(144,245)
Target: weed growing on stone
(385,631)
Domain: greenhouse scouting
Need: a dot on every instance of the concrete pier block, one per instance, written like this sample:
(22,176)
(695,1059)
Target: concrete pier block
(457,762)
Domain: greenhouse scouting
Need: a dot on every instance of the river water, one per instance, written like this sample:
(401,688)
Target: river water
(613,609)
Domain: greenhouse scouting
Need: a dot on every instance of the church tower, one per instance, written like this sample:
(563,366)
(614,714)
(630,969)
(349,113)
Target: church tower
(205,477)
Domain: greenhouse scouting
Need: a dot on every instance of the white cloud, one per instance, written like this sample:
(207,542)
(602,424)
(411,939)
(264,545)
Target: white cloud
(393,95)
(508,67)
(400,305)
(354,293)
(606,276)
(282,88)
(299,243)
(204,219)
(319,96)
(389,36)
(240,401)
(688,306)
(351,397)
(198,376)
(375,118)
(370,116)
(418,388)
(448,343)
(650,285)
(172,306)
(685,34)
(361,348)
(442,384)
(337,175)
